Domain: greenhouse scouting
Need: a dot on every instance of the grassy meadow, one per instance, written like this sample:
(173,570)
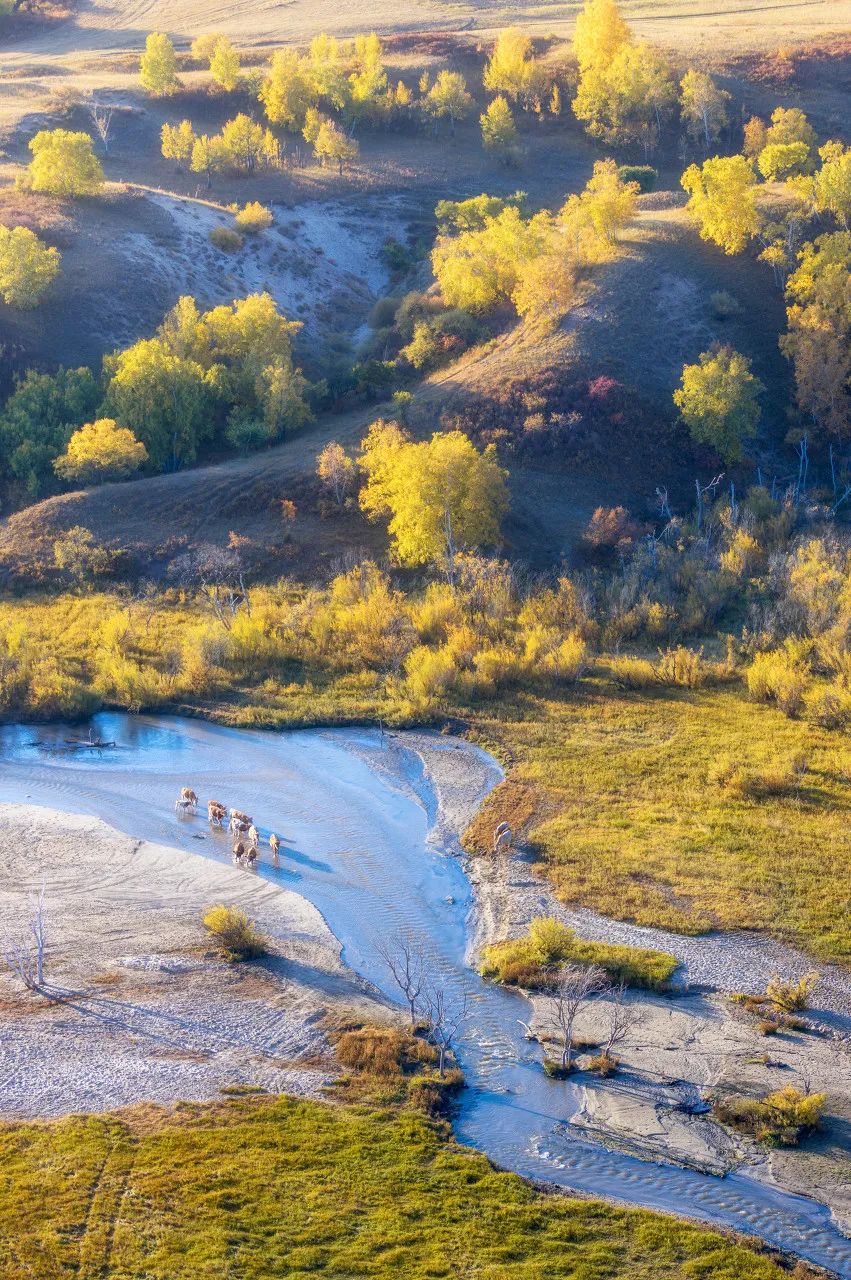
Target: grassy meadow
(627,819)
(265,1188)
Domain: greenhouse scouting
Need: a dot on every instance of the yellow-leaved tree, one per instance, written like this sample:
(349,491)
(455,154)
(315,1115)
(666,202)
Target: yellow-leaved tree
(440,496)
(101,451)
(27,267)
(723,201)
(600,32)
(819,338)
(225,65)
(64,164)
(158,66)
(718,399)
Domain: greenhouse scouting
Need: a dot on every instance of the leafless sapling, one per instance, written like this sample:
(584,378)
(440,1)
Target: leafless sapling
(26,959)
(623,1018)
(444,1015)
(406,963)
(101,117)
(569,988)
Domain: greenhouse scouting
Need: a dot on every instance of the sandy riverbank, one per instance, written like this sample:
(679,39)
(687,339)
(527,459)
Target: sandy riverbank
(143,1008)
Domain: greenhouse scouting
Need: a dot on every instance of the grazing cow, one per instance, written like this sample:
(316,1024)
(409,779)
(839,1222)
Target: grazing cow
(216,813)
(239,821)
(187,794)
(239,851)
(251,856)
(253,836)
(502,838)
(274,845)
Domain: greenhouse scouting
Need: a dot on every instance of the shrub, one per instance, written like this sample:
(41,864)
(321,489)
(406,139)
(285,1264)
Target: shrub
(632,673)
(432,1093)
(234,933)
(603,1064)
(253,218)
(778,677)
(530,961)
(226,239)
(644,174)
(681,666)
(792,996)
(442,338)
(781,1118)
(383,1051)
(747,783)
(724,305)
(829,709)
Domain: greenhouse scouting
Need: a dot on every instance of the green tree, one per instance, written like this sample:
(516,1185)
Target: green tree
(244,142)
(101,451)
(209,156)
(245,353)
(225,67)
(723,201)
(703,106)
(64,164)
(178,141)
(167,402)
(37,421)
(499,132)
(818,340)
(158,67)
(718,400)
(27,267)
(448,97)
(441,496)
(332,143)
(288,90)
(600,32)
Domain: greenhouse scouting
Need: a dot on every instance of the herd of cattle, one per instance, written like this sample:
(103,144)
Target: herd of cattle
(247,837)
(240,825)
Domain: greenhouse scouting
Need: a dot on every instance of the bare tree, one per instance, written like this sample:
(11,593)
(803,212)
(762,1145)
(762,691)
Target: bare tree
(101,117)
(406,963)
(623,1018)
(217,572)
(569,988)
(445,1016)
(26,959)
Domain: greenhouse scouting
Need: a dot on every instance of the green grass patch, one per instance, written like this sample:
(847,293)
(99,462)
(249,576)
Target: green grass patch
(266,1188)
(530,961)
(631,822)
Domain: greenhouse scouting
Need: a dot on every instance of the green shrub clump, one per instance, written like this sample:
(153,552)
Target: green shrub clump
(644,174)
(530,961)
(234,933)
(226,239)
(781,1119)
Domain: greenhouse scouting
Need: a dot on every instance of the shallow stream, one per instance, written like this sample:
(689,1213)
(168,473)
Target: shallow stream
(356,814)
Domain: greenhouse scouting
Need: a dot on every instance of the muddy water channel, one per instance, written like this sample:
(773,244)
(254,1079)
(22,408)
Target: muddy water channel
(362,839)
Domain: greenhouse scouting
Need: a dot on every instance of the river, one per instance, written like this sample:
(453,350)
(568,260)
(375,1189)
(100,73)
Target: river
(357,814)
